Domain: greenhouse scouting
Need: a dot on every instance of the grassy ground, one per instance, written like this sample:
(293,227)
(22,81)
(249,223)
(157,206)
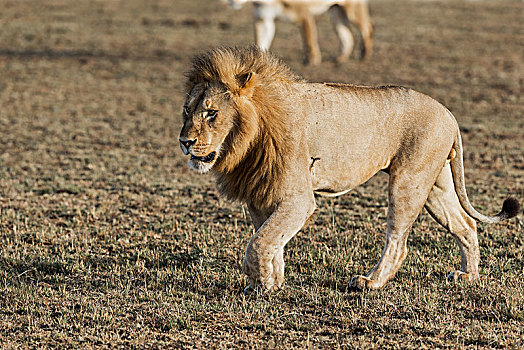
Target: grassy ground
(107,240)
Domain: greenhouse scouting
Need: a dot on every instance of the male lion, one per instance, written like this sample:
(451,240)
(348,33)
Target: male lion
(343,14)
(273,140)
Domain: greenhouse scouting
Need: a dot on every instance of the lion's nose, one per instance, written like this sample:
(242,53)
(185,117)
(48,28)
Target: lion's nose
(187,143)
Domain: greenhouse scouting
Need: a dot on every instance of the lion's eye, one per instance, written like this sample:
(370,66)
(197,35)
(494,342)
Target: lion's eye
(211,114)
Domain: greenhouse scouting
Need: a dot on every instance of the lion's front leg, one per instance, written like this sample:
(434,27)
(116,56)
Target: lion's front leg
(278,267)
(264,259)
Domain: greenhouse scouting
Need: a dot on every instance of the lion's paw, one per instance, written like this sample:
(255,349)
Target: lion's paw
(261,287)
(359,283)
(266,274)
(457,276)
(267,279)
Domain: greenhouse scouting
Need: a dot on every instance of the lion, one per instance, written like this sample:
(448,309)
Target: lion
(344,13)
(274,140)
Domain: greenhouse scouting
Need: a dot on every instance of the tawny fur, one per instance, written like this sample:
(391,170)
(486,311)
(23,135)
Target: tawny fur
(273,140)
(263,124)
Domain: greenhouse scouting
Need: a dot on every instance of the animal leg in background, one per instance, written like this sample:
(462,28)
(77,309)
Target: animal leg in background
(310,38)
(345,36)
(264,32)
(358,13)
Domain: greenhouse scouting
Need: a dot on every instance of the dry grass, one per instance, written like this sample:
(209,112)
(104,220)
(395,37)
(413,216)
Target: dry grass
(107,240)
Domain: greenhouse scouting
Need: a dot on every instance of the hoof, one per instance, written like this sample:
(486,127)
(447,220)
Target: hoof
(363,54)
(315,61)
(342,59)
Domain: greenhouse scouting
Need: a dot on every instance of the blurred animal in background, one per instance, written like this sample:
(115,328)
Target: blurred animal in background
(345,15)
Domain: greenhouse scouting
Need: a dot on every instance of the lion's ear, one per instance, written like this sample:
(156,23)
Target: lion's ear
(245,83)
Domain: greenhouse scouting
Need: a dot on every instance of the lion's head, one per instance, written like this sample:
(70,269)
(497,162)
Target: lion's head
(209,116)
(234,118)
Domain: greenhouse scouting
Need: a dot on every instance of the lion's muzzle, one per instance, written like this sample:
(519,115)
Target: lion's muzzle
(206,159)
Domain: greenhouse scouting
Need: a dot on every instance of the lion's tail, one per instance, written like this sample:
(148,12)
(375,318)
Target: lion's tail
(510,207)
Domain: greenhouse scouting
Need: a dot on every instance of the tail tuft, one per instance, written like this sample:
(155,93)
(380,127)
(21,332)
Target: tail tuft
(510,208)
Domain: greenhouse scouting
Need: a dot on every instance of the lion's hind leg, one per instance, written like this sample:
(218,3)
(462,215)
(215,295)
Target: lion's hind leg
(409,186)
(444,206)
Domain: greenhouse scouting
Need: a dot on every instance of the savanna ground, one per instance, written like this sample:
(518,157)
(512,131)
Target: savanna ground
(108,240)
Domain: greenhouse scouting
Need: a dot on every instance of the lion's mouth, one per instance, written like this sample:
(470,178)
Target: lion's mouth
(206,159)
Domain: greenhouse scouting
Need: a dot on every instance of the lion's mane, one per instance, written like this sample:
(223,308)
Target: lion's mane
(253,157)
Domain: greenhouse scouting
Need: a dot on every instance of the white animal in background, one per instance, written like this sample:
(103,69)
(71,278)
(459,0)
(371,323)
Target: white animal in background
(343,14)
